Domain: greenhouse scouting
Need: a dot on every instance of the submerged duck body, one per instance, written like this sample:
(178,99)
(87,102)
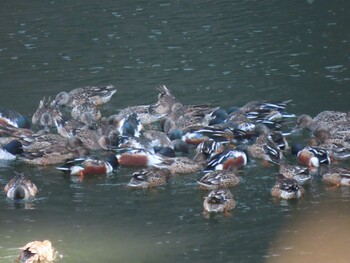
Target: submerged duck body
(219,201)
(286,188)
(89,166)
(218,179)
(182,165)
(256,112)
(55,154)
(265,149)
(209,148)
(149,178)
(140,158)
(198,134)
(227,159)
(20,187)
(337,176)
(312,157)
(296,172)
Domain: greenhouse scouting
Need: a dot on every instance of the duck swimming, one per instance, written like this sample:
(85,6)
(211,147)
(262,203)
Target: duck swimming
(96,95)
(218,179)
(149,178)
(20,187)
(219,201)
(90,166)
(287,188)
(37,251)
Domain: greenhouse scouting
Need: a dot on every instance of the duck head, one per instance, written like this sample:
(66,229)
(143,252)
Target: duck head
(14,147)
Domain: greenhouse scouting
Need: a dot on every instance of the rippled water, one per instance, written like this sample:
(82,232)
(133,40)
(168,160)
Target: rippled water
(222,52)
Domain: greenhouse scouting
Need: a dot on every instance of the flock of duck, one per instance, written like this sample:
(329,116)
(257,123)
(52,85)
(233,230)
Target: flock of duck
(166,139)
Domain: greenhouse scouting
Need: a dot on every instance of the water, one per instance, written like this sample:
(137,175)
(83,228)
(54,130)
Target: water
(225,53)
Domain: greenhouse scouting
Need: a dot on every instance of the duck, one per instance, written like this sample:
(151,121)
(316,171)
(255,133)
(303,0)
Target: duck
(37,142)
(276,137)
(227,159)
(182,165)
(46,113)
(149,177)
(66,127)
(14,119)
(269,145)
(151,113)
(201,114)
(157,139)
(92,140)
(286,188)
(310,156)
(130,125)
(337,146)
(170,106)
(179,118)
(97,95)
(195,135)
(165,102)
(86,108)
(46,149)
(254,106)
(146,113)
(37,251)
(89,166)
(265,149)
(55,153)
(299,173)
(333,138)
(20,187)
(52,157)
(11,150)
(120,142)
(241,121)
(328,119)
(9,133)
(165,157)
(280,140)
(140,158)
(216,117)
(182,115)
(167,106)
(254,112)
(337,176)
(186,117)
(90,137)
(128,133)
(209,148)
(219,201)
(218,180)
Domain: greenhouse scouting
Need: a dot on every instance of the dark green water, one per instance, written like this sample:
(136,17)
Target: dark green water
(222,52)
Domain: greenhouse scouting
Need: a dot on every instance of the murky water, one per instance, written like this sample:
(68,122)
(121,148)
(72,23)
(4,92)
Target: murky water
(225,53)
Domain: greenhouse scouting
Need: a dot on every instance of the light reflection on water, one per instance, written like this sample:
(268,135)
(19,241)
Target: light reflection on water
(317,234)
